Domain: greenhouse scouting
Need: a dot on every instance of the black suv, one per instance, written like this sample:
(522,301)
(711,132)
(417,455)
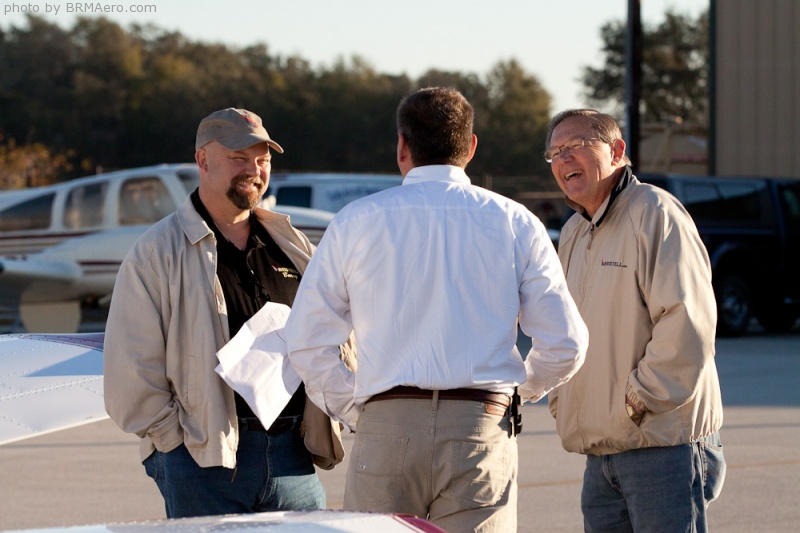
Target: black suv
(751,229)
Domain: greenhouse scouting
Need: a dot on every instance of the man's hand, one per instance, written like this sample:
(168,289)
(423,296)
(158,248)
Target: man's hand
(634,412)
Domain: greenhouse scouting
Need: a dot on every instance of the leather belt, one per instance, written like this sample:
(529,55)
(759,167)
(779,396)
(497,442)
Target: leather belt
(281,425)
(476,395)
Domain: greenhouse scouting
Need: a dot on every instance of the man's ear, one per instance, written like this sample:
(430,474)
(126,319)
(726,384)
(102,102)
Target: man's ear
(473,147)
(402,148)
(201,158)
(404,161)
(617,151)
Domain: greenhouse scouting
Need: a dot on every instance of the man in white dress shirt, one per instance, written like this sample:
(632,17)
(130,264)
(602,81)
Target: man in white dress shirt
(433,277)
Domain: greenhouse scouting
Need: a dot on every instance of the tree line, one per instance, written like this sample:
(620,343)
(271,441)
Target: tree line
(100,96)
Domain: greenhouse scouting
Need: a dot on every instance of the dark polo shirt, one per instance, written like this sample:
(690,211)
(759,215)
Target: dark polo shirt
(260,273)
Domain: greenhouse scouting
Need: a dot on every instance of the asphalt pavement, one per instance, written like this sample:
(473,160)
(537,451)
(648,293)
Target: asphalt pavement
(91,474)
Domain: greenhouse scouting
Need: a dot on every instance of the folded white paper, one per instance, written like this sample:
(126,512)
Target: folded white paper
(255,364)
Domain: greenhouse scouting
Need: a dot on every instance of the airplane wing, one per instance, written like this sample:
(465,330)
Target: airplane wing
(20,276)
(45,293)
(72,270)
(317,521)
(21,271)
(48,287)
(49,383)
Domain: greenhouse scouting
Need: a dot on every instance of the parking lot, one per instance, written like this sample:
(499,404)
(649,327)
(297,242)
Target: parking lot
(91,474)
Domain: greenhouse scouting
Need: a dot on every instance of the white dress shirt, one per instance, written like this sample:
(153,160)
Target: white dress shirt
(433,276)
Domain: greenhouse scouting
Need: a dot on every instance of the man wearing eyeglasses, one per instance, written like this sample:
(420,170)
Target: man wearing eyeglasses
(187,286)
(646,407)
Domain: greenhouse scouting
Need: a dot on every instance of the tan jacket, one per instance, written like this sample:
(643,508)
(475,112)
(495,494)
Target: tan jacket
(642,282)
(166,323)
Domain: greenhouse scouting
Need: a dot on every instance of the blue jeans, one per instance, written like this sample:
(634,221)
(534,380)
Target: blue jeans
(653,489)
(273,472)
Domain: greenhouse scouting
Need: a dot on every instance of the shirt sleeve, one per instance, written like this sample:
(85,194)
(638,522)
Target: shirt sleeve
(318,324)
(549,316)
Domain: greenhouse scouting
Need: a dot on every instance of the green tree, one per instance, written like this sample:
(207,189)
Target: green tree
(121,98)
(35,82)
(519,110)
(674,80)
(107,64)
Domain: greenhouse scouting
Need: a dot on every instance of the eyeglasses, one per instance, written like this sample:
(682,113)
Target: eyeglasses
(555,152)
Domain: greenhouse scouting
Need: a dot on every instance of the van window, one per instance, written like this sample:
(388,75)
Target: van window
(299,196)
(85,206)
(35,213)
(144,201)
(339,197)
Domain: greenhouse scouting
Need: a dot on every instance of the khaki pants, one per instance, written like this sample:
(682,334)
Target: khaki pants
(444,460)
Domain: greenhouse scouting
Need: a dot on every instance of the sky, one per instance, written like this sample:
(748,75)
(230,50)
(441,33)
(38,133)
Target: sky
(551,39)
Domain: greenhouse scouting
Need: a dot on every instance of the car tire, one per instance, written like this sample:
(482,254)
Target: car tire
(734,305)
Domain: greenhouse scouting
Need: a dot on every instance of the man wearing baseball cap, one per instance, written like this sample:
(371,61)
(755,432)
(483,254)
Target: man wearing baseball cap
(186,287)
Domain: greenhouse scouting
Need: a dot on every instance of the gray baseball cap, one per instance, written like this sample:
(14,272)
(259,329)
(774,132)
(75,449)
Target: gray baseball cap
(235,129)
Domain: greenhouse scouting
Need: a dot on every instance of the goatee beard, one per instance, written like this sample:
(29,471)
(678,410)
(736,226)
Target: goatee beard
(245,200)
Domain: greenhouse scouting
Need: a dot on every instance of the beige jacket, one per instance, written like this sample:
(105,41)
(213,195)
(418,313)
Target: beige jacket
(642,281)
(166,323)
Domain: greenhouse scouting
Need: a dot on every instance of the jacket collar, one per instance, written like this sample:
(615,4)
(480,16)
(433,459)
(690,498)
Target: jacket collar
(623,181)
(195,227)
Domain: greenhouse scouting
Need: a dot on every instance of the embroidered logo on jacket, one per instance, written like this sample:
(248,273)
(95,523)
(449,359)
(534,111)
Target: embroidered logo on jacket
(286,272)
(619,264)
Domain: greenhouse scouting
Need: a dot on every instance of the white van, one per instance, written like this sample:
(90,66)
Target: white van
(327,192)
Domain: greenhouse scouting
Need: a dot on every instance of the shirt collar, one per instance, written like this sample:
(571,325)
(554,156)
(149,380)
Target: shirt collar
(436,173)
